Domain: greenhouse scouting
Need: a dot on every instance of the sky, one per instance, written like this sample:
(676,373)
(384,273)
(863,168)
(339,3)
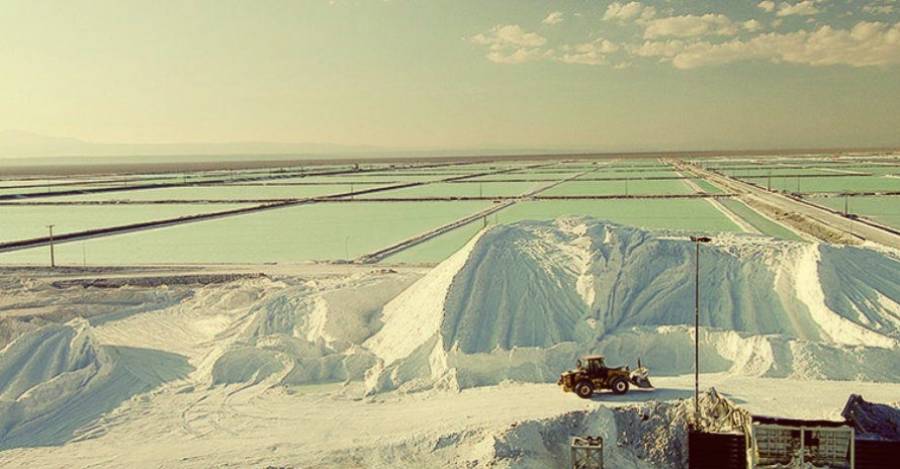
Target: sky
(456,74)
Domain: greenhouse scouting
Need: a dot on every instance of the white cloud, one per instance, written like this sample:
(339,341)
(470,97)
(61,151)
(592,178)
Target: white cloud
(804,8)
(866,44)
(555,17)
(664,49)
(509,35)
(875,9)
(752,25)
(509,43)
(588,53)
(628,11)
(767,5)
(690,26)
(517,56)
(689,41)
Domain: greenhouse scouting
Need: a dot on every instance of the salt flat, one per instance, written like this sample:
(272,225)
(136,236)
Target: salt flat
(353,366)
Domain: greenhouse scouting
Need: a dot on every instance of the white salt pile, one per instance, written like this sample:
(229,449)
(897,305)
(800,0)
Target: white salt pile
(57,379)
(522,301)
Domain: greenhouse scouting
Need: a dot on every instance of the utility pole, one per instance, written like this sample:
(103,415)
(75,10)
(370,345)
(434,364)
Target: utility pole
(697,240)
(846,211)
(52,257)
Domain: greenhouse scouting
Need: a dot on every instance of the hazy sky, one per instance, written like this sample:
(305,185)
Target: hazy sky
(456,73)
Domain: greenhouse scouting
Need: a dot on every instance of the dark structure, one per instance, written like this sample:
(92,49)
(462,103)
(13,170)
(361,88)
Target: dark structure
(717,450)
(877,428)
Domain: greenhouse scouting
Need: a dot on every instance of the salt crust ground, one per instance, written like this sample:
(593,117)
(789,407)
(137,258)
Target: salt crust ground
(392,369)
(323,426)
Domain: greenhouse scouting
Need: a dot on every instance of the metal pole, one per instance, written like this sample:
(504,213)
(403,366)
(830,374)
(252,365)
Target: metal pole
(52,257)
(697,332)
(697,240)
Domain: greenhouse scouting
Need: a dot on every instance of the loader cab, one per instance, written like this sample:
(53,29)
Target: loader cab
(592,364)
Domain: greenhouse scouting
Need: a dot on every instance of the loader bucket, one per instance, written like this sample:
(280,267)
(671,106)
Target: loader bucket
(641,376)
(641,381)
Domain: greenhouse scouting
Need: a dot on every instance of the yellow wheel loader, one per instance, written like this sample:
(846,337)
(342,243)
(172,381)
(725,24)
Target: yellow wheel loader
(591,374)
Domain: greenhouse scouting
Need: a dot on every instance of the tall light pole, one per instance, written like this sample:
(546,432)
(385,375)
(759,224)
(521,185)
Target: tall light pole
(52,258)
(697,240)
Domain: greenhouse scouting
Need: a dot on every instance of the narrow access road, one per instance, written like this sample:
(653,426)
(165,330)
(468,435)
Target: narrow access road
(395,248)
(817,221)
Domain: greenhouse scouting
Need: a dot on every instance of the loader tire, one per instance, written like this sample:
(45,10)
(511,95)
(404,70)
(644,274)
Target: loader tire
(619,386)
(584,389)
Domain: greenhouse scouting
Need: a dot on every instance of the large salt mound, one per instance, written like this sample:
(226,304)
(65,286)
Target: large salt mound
(522,301)
(56,379)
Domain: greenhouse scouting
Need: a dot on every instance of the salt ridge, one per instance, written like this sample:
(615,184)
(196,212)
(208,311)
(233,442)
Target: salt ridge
(527,298)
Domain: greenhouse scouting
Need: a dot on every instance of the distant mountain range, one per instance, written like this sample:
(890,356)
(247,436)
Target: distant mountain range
(22,148)
(15,144)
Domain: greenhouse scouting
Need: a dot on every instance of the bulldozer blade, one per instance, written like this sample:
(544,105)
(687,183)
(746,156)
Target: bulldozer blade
(641,382)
